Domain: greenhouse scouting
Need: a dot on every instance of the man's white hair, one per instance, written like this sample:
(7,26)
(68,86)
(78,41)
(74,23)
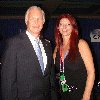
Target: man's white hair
(34,7)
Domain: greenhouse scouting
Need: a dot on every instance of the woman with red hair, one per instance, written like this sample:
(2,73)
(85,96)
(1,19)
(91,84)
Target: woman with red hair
(73,61)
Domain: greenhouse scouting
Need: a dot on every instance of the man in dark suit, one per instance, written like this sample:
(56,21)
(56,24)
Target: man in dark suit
(22,77)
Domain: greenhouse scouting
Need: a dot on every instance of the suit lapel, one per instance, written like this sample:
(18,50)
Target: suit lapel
(47,50)
(28,45)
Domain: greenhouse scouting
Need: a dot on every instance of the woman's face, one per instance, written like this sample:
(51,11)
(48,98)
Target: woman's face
(65,27)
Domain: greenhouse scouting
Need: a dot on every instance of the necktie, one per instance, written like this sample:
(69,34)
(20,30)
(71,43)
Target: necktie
(39,55)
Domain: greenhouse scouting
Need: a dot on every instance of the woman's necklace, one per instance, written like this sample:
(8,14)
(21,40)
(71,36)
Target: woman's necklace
(65,87)
(62,76)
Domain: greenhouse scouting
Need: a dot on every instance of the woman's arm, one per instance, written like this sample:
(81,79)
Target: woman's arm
(88,61)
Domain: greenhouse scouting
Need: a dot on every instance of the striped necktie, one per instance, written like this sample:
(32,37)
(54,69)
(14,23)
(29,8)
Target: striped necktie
(39,55)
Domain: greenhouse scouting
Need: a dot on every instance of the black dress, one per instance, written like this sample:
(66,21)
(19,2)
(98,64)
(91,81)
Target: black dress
(75,75)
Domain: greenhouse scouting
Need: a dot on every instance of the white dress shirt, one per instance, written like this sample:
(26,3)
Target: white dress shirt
(32,39)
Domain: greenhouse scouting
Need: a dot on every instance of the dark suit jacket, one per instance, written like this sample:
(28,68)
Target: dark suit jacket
(21,74)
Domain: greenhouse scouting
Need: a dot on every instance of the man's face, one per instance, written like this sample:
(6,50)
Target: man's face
(35,22)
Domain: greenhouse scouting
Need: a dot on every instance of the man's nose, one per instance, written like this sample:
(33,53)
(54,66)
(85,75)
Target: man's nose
(36,21)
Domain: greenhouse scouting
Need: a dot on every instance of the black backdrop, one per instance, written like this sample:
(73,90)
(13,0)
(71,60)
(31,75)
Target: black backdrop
(11,27)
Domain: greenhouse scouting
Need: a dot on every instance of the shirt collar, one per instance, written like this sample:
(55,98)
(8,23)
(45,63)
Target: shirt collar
(31,37)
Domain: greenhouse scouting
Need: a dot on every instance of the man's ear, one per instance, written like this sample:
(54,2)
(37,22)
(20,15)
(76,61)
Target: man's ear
(43,22)
(25,21)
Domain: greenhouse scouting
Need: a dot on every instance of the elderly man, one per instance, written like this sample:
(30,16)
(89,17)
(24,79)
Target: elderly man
(27,72)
